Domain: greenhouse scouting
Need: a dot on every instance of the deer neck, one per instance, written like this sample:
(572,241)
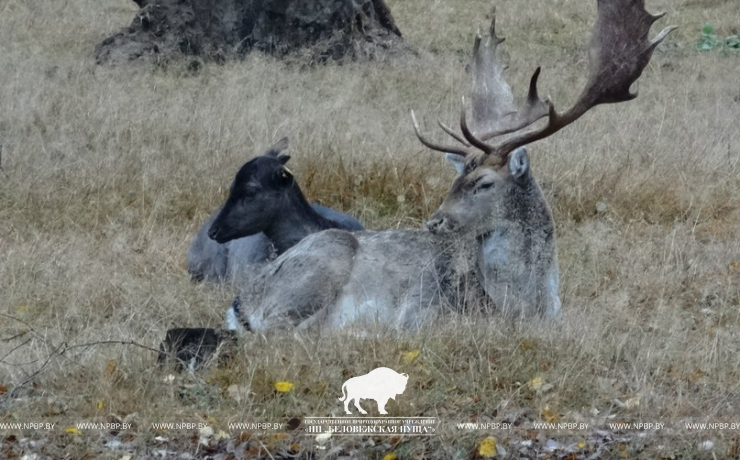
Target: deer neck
(297,221)
(457,268)
(520,252)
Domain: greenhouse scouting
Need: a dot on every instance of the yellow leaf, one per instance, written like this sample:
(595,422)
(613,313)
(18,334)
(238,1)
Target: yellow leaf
(535,384)
(283,387)
(581,444)
(390,456)
(73,430)
(99,405)
(410,356)
(549,415)
(487,447)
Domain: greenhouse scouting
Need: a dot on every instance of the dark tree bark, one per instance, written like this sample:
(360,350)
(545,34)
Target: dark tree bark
(225,29)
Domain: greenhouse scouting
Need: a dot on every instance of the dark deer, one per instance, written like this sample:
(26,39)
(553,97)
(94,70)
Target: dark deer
(266,212)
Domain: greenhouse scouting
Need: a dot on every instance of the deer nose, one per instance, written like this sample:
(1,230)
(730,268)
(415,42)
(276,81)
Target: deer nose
(434,224)
(213,232)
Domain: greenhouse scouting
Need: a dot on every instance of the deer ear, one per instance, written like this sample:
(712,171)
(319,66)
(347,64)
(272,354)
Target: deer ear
(519,164)
(283,159)
(457,161)
(278,147)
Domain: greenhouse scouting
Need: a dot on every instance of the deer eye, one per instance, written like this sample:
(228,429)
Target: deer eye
(483,185)
(250,191)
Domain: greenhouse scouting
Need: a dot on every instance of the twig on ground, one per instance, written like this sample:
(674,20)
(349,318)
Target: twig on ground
(60,351)
(2,360)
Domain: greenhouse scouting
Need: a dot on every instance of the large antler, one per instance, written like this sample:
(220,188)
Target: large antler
(493,102)
(618,54)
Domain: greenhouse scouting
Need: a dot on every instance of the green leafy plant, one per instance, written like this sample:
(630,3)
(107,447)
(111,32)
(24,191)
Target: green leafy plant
(709,41)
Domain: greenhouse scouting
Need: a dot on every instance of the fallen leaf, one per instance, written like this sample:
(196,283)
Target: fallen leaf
(528,344)
(390,456)
(110,367)
(293,424)
(323,438)
(100,404)
(697,376)
(276,439)
(206,432)
(535,384)
(410,356)
(73,430)
(549,415)
(487,447)
(706,445)
(283,387)
(581,444)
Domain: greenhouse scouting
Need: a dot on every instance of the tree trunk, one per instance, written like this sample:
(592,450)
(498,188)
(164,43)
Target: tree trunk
(226,29)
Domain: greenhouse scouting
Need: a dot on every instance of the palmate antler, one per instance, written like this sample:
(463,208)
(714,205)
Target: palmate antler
(618,54)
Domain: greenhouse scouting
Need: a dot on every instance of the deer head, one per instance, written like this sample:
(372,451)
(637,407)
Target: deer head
(258,193)
(495,179)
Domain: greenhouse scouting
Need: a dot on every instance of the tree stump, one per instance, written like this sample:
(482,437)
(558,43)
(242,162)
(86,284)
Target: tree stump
(227,29)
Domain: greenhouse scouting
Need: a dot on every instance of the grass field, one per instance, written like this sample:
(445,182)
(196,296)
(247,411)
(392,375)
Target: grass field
(108,172)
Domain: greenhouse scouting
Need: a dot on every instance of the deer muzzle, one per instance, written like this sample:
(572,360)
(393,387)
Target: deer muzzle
(440,223)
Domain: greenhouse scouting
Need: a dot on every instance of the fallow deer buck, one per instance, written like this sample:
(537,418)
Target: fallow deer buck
(493,233)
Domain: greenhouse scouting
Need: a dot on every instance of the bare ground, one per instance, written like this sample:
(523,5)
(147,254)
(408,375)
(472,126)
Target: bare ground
(107,173)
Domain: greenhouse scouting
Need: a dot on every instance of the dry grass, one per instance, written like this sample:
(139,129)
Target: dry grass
(110,172)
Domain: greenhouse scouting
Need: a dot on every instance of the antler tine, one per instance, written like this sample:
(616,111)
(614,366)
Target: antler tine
(535,109)
(469,135)
(491,94)
(619,52)
(453,134)
(432,145)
